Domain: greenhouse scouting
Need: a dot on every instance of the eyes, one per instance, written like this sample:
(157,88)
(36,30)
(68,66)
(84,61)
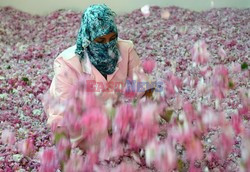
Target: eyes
(105,40)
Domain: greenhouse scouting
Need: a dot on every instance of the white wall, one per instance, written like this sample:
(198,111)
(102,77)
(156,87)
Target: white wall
(43,7)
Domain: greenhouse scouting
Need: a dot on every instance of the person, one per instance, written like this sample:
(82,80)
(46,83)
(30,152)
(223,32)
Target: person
(98,52)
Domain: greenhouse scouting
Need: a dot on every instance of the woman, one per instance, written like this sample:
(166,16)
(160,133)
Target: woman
(98,52)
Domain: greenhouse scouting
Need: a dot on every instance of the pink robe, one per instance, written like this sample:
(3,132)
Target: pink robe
(68,69)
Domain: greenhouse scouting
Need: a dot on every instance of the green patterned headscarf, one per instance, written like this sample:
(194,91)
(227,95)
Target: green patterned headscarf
(98,20)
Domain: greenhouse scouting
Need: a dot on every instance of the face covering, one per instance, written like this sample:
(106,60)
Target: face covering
(104,56)
(98,20)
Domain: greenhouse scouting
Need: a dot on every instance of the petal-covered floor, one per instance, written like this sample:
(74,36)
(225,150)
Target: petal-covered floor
(30,43)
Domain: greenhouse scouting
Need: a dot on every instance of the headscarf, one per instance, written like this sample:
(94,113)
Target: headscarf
(98,20)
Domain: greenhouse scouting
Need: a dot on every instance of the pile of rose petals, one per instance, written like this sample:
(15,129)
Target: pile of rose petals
(30,43)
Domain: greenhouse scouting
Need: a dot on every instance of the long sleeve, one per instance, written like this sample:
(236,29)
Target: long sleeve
(60,91)
(135,72)
(134,63)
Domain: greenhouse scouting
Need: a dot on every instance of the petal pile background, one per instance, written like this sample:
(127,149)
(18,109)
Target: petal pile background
(30,43)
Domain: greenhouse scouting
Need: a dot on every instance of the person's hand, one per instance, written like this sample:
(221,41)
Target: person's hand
(83,146)
(59,133)
(149,93)
(93,142)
